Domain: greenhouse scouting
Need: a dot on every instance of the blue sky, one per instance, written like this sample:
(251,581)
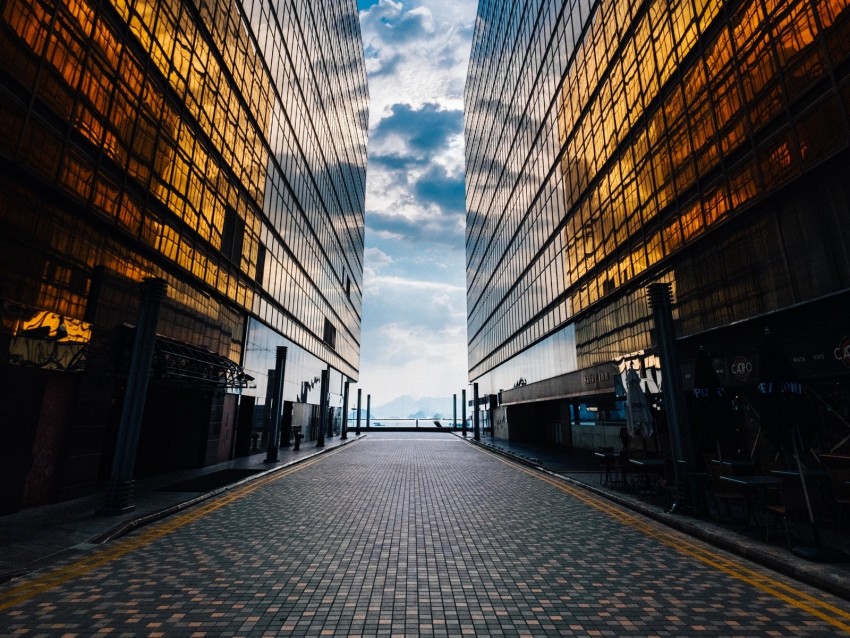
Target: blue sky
(414,309)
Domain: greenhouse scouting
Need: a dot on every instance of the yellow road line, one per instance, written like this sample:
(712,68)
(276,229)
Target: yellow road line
(702,553)
(52,579)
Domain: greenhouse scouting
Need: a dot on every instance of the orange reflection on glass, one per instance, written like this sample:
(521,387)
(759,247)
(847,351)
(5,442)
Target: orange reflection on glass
(76,175)
(672,236)
(715,204)
(46,324)
(777,163)
(51,341)
(707,11)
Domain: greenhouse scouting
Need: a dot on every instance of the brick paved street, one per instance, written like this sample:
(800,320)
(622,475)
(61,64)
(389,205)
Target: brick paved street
(411,535)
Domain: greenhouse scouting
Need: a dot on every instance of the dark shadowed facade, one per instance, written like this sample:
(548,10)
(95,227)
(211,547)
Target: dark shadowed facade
(614,144)
(219,145)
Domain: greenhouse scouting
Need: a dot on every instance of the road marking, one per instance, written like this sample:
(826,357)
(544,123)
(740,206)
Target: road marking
(702,553)
(113,551)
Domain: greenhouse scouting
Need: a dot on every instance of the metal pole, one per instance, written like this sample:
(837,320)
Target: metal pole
(359,406)
(323,409)
(285,422)
(264,437)
(120,496)
(328,409)
(368,411)
(273,443)
(454,411)
(463,410)
(476,414)
(344,434)
(660,301)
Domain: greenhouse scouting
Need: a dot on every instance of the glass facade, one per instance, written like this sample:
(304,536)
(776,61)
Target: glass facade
(217,144)
(612,144)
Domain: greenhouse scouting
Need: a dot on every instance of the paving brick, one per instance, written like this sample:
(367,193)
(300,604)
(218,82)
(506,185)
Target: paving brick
(413,535)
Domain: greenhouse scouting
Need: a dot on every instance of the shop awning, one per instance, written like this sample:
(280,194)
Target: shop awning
(174,359)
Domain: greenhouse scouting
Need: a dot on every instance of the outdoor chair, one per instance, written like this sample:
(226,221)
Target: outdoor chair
(839,480)
(792,504)
(623,468)
(722,492)
(606,465)
(647,482)
(837,468)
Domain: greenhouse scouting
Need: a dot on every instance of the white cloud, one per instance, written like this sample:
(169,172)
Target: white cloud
(414,311)
(376,258)
(416,360)
(378,284)
(415,56)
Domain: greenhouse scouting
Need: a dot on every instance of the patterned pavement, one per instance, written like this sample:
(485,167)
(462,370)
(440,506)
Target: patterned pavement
(412,535)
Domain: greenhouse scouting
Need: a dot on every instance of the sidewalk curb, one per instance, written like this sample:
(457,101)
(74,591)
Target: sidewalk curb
(128,526)
(775,559)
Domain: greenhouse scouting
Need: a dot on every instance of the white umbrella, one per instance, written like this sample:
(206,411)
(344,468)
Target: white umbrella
(638,415)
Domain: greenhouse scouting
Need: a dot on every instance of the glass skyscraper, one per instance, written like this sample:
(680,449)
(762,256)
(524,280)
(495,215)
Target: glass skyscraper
(614,144)
(219,145)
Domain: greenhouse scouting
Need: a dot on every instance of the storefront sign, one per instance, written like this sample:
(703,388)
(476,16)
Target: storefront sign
(842,352)
(596,378)
(741,368)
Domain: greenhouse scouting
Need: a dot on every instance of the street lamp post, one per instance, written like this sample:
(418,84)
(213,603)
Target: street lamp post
(660,297)
(368,411)
(323,409)
(273,443)
(120,496)
(463,410)
(329,409)
(454,411)
(344,434)
(476,414)
(359,406)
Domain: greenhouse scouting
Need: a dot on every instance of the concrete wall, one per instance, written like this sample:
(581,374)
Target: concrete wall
(592,437)
(500,423)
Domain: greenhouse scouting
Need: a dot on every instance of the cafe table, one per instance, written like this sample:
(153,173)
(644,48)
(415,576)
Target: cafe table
(651,467)
(735,466)
(608,460)
(756,488)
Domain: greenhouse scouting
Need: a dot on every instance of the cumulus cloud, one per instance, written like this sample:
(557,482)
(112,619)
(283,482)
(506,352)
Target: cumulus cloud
(376,258)
(415,188)
(432,228)
(416,50)
(437,187)
(423,130)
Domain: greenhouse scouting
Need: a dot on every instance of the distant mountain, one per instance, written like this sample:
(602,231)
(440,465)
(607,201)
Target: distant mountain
(409,407)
